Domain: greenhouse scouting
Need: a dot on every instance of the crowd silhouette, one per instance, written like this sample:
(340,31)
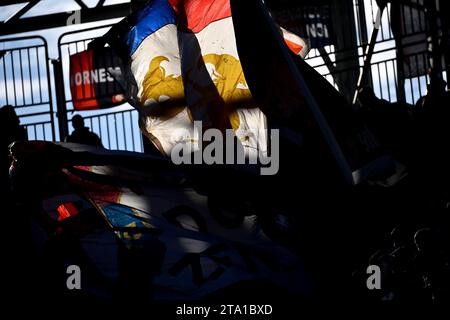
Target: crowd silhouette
(414,258)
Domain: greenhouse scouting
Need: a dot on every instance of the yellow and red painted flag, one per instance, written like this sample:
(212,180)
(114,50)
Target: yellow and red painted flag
(185,67)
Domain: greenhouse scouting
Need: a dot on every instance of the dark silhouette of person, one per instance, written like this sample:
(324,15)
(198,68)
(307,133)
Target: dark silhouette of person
(81,133)
(10,131)
(432,264)
(432,137)
(406,281)
(12,251)
(390,122)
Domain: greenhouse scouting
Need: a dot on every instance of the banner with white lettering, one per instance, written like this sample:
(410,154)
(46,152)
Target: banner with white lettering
(94,76)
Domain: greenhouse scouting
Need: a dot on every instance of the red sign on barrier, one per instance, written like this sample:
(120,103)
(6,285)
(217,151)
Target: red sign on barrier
(94,76)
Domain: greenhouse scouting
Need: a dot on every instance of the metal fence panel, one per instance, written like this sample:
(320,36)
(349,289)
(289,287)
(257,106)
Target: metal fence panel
(25,84)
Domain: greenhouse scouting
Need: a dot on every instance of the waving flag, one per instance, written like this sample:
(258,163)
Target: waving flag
(184,66)
(137,224)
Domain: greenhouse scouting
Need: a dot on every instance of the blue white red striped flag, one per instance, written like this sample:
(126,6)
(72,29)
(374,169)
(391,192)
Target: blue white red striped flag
(185,66)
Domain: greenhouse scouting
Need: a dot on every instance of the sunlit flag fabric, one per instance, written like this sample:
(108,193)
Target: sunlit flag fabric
(133,218)
(192,253)
(184,66)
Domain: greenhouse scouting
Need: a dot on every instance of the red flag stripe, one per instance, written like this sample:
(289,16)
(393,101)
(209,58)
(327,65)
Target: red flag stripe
(295,47)
(195,15)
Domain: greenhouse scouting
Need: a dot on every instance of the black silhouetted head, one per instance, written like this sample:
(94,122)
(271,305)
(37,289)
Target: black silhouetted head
(9,116)
(77,122)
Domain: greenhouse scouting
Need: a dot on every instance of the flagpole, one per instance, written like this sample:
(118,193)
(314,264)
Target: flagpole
(369,50)
(311,102)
